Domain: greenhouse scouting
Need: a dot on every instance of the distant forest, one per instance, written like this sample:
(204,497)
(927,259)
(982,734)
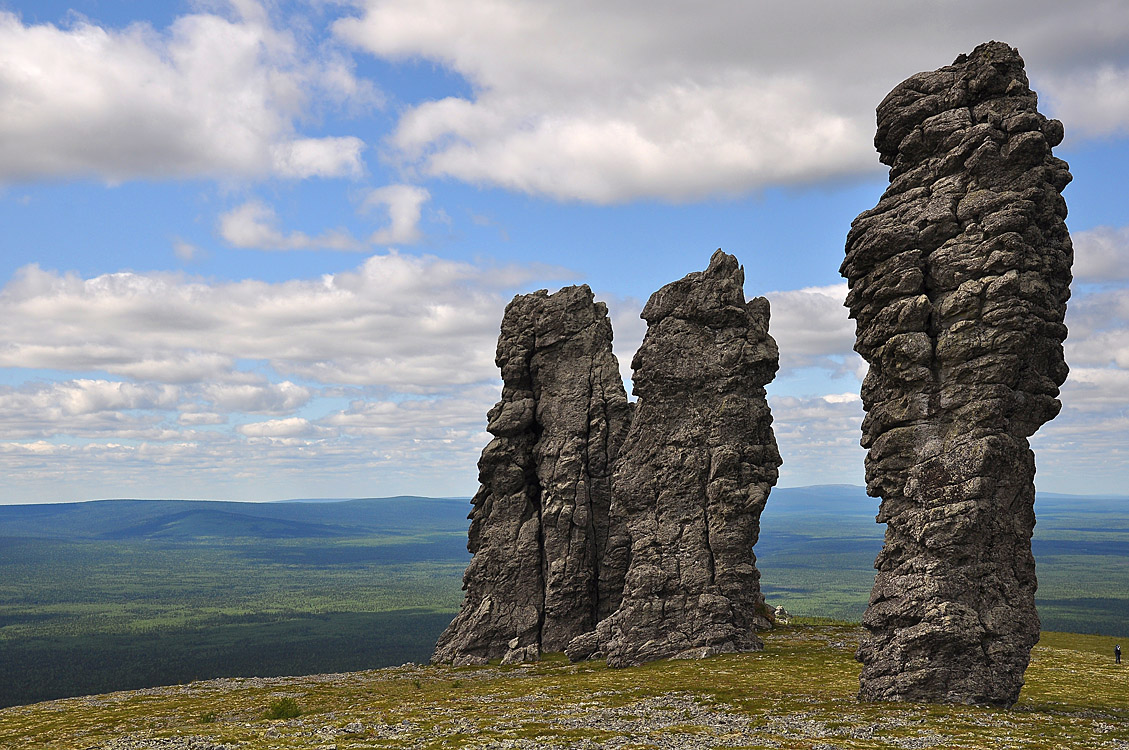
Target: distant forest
(123,594)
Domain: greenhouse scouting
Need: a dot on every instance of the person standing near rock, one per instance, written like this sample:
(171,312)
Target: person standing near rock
(1117,654)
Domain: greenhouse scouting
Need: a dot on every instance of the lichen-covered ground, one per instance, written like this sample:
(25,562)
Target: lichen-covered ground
(798,693)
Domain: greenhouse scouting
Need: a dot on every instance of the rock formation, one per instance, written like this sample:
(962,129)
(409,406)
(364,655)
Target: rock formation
(958,284)
(693,474)
(540,521)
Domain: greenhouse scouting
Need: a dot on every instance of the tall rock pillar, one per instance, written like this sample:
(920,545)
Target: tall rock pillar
(959,279)
(695,472)
(540,520)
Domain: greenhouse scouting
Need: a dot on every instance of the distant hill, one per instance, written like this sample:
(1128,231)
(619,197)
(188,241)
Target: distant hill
(197,519)
(844,509)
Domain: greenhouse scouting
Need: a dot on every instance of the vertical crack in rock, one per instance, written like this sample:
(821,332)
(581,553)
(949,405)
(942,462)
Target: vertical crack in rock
(694,473)
(540,517)
(958,280)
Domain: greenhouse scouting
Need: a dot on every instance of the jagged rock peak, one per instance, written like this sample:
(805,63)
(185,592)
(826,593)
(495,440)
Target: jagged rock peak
(540,521)
(958,281)
(694,474)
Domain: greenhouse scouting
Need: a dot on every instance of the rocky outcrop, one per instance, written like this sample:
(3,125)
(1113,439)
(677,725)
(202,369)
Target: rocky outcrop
(541,522)
(694,474)
(958,284)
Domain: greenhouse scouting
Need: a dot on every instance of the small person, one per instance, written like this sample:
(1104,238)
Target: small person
(1117,654)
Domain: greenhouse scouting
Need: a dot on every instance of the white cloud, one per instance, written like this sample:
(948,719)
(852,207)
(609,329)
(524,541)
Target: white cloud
(254,225)
(407,323)
(278,428)
(1099,329)
(266,398)
(186,251)
(1096,100)
(211,95)
(613,101)
(318,157)
(84,407)
(818,438)
(1101,254)
(403,204)
(197,418)
(812,329)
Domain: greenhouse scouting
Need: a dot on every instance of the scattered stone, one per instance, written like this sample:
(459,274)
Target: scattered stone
(540,524)
(959,279)
(781,616)
(694,473)
(160,743)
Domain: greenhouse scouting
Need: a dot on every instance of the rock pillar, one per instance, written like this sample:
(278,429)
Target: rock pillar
(694,473)
(540,521)
(959,279)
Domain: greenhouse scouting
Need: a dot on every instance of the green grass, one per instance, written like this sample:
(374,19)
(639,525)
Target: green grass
(798,693)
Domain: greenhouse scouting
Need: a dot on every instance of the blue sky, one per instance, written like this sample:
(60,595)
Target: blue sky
(260,250)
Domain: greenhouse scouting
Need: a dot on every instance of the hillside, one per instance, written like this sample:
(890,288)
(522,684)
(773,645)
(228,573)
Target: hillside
(797,693)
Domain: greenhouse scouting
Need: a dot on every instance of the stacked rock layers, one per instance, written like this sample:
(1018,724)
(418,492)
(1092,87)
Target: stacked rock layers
(540,520)
(695,472)
(959,279)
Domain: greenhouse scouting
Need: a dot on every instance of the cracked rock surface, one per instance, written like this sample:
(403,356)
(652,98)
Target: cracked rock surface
(540,523)
(958,280)
(694,473)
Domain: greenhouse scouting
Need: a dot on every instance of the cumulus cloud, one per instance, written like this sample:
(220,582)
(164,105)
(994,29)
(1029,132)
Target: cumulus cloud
(189,368)
(255,225)
(609,102)
(1099,330)
(812,329)
(1095,101)
(403,204)
(84,408)
(210,95)
(818,437)
(1101,254)
(401,322)
(258,398)
(279,428)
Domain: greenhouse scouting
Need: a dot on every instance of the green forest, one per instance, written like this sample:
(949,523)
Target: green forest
(125,594)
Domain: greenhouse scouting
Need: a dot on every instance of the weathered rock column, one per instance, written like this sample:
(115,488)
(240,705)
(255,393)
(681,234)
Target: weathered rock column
(540,521)
(695,472)
(958,284)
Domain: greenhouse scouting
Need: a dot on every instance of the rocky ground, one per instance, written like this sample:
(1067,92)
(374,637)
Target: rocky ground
(798,693)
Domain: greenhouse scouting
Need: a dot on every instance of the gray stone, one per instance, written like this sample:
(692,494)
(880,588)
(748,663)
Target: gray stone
(540,523)
(584,646)
(694,473)
(959,279)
